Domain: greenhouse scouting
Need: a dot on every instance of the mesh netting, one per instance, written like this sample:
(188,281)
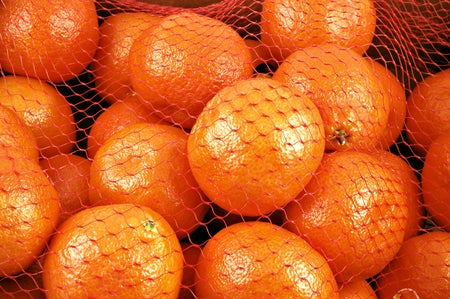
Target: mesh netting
(224,149)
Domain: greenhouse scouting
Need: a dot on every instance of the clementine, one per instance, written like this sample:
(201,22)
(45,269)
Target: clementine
(428,111)
(122,251)
(436,181)
(255,146)
(15,134)
(29,211)
(354,212)
(287,25)
(178,65)
(147,164)
(44,110)
(420,269)
(110,64)
(120,114)
(262,260)
(53,40)
(353,104)
(69,174)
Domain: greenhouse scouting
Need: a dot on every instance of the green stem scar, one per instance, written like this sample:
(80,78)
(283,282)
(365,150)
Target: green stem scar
(149,225)
(341,136)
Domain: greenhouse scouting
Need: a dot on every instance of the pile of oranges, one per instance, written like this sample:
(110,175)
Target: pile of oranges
(173,156)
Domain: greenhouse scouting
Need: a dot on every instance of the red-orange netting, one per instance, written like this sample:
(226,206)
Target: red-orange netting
(224,149)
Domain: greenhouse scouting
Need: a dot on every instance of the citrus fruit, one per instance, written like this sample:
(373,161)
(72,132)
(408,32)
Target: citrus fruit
(255,146)
(121,251)
(262,260)
(147,164)
(343,85)
(354,212)
(261,54)
(395,91)
(436,180)
(357,289)
(15,134)
(69,174)
(288,25)
(120,114)
(410,182)
(428,111)
(53,40)
(29,211)
(420,269)
(191,253)
(110,64)
(44,110)
(179,64)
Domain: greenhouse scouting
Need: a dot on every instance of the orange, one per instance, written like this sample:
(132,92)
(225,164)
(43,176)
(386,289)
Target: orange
(44,110)
(15,134)
(436,180)
(353,104)
(116,117)
(110,65)
(147,164)
(397,112)
(191,253)
(262,260)
(179,64)
(354,212)
(410,182)
(420,269)
(357,289)
(428,111)
(255,146)
(69,174)
(288,25)
(114,251)
(29,211)
(53,40)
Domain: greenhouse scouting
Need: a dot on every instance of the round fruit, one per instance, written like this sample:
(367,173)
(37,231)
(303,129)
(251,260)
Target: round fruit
(262,260)
(15,134)
(29,211)
(287,25)
(255,146)
(354,212)
(44,110)
(436,181)
(147,164)
(110,66)
(420,269)
(178,65)
(121,251)
(69,174)
(53,40)
(343,85)
(428,111)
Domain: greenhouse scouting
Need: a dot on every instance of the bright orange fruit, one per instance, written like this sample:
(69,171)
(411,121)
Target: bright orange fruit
(178,65)
(262,260)
(117,251)
(53,40)
(288,25)
(255,146)
(354,211)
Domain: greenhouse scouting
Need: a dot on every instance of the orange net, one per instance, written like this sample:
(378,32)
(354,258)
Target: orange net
(224,149)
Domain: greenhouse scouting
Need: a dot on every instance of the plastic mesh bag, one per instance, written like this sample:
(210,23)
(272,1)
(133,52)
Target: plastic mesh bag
(224,149)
